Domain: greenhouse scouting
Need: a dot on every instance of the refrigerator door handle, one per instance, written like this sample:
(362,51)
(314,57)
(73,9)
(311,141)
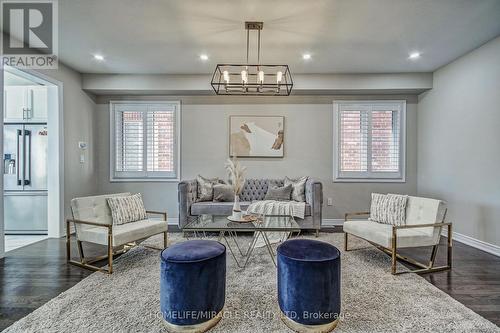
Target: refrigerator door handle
(27,162)
(19,133)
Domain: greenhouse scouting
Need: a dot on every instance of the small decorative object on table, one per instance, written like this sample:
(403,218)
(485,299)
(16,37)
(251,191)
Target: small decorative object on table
(243,219)
(236,180)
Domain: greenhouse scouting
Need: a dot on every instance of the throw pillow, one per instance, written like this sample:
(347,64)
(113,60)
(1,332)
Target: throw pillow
(388,209)
(127,209)
(279,193)
(298,188)
(223,192)
(206,188)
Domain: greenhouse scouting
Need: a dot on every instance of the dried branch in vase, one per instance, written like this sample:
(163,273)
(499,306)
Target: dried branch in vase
(236,174)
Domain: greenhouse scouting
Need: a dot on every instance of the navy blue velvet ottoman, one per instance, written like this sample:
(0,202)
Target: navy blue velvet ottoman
(192,285)
(309,285)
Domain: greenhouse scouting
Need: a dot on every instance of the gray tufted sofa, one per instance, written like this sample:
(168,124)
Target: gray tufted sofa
(254,190)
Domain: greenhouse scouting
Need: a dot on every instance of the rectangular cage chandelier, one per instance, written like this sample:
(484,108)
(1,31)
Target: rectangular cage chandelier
(252,79)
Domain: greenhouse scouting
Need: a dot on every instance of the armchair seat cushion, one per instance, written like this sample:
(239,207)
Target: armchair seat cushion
(124,233)
(381,234)
(225,208)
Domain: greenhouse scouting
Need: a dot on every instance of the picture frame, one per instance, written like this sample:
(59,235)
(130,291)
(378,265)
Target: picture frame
(252,136)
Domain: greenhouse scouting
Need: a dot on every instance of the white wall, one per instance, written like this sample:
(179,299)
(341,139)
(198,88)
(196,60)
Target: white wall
(79,124)
(2,235)
(308,151)
(459,142)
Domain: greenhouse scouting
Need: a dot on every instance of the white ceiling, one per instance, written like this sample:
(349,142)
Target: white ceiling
(343,36)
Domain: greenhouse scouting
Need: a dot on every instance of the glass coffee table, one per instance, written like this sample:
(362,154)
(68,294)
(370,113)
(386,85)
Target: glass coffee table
(228,231)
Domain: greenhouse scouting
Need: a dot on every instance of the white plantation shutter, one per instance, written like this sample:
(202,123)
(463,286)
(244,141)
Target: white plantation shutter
(385,133)
(354,140)
(369,140)
(145,140)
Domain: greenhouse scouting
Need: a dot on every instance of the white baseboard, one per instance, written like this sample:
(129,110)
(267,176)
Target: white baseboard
(173,221)
(476,243)
(332,222)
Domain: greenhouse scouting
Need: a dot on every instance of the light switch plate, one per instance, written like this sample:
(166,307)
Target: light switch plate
(82,158)
(329,201)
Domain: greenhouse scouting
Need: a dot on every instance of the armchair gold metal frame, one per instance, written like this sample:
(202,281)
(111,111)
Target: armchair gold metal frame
(392,252)
(87,263)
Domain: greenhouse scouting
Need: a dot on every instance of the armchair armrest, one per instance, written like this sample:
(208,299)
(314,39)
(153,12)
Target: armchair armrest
(152,212)
(426,225)
(347,215)
(109,226)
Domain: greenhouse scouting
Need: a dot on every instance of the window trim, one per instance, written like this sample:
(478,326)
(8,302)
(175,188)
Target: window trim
(369,176)
(112,133)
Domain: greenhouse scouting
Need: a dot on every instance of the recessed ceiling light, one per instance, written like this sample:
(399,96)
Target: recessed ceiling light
(414,55)
(98,57)
(203,57)
(306,56)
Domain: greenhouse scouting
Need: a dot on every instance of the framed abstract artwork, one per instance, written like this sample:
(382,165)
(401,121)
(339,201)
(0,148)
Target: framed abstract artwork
(256,136)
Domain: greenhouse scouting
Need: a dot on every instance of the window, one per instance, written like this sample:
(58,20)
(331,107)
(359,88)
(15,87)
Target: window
(144,141)
(369,141)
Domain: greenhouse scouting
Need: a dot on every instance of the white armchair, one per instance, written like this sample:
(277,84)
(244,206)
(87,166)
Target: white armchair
(94,224)
(424,221)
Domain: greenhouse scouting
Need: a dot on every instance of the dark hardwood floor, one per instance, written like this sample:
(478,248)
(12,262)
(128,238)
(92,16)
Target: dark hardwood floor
(31,276)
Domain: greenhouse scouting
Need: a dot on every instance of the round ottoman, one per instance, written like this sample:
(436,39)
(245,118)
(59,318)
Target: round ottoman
(309,285)
(192,285)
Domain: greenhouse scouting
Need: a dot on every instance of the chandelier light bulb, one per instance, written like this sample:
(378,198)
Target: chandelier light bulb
(226,76)
(244,76)
(279,77)
(261,77)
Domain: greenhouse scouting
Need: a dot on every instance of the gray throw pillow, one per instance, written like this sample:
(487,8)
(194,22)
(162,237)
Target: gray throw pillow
(298,188)
(279,193)
(223,192)
(205,188)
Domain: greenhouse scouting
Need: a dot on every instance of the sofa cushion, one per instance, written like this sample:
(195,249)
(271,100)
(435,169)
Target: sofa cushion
(123,233)
(216,208)
(225,208)
(381,234)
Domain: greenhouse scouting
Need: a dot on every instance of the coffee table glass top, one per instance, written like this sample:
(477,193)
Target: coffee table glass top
(263,223)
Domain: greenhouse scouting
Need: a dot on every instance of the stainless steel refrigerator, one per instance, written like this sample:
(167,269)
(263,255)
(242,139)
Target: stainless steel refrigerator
(25,178)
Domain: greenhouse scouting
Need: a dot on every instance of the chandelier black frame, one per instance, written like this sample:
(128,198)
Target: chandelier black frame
(252,79)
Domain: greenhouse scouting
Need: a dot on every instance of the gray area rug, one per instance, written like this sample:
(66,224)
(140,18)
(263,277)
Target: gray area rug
(373,300)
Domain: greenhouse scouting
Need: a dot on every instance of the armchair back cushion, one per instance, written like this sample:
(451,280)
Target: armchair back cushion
(423,211)
(93,209)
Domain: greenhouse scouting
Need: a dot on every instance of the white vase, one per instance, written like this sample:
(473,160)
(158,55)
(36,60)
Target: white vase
(236,207)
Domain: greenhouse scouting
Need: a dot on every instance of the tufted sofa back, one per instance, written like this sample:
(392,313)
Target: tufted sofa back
(256,189)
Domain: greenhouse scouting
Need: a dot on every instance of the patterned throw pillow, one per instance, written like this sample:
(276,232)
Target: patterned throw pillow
(206,188)
(127,209)
(298,188)
(388,209)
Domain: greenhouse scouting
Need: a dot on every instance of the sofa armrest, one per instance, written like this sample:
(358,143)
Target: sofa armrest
(187,190)
(314,197)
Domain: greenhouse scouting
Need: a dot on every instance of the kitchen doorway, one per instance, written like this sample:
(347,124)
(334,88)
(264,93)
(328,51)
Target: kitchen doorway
(32,158)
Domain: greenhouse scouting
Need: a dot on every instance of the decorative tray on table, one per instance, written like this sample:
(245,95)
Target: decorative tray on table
(243,219)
